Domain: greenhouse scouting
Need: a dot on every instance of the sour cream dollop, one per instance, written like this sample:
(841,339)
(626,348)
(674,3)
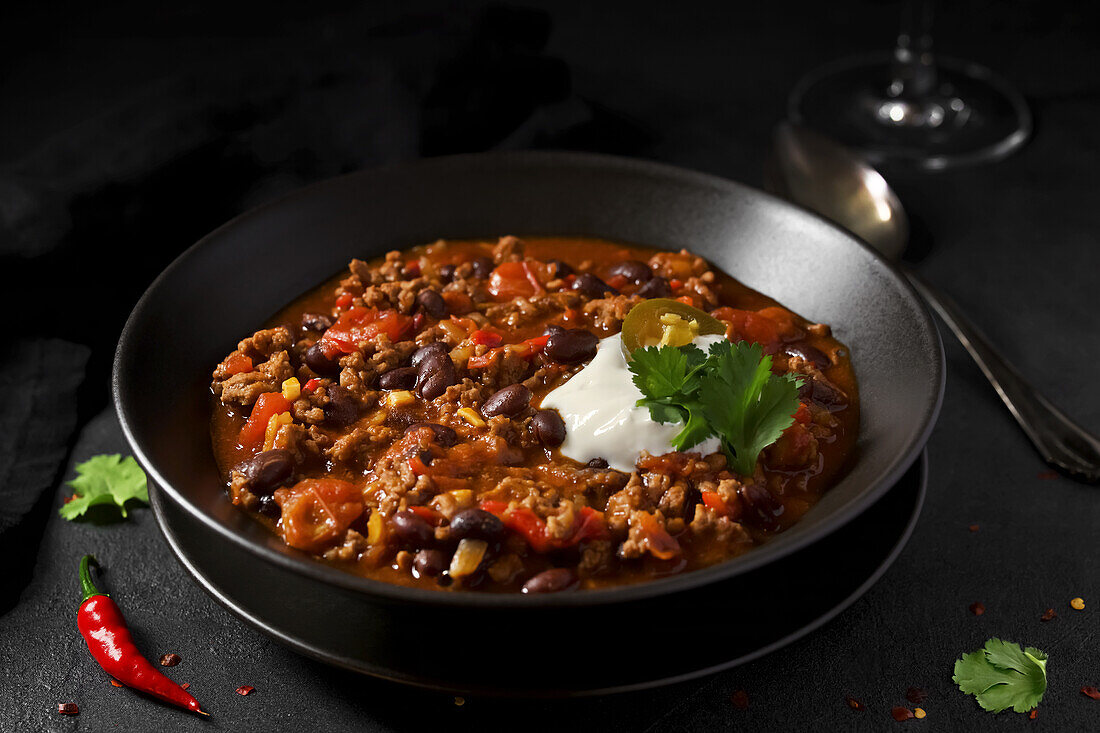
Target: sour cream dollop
(601,417)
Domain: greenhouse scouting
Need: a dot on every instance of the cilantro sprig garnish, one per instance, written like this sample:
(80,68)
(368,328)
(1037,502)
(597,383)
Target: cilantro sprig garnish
(106,479)
(1001,676)
(729,392)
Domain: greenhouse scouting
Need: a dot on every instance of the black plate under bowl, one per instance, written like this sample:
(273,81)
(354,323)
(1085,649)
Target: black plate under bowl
(746,616)
(232,280)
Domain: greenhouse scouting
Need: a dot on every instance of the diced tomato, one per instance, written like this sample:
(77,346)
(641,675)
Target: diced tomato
(590,524)
(412,268)
(363,324)
(417,466)
(344,300)
(676,283)
(457,303)
(317,512)
(534,346)
(238,363)
(687,300)
(267,405)
(429,515)
(311,386)
(513,279)
(713,500)
(487,338)
(480,362)
(750,326)
(802,414)
(785,322)
(656,540)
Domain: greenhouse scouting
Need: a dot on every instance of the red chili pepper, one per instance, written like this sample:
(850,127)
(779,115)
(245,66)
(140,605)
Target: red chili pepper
(102,625)
(311,386)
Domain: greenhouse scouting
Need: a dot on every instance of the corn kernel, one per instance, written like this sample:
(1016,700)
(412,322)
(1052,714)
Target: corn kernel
(1078,604)
(919,713)
(378,417)
(375,528)
(470,415)
(292,389)
(399,398)
(463,497)
(467,557)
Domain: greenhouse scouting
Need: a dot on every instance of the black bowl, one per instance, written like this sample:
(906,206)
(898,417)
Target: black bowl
(231,281)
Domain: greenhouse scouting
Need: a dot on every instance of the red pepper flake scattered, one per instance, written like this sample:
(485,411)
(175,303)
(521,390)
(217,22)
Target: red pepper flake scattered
(1091,691)
(1033,714)
(916,695)
(901,714)
(68,708)
(854,704)
(245,690)
(185,685)
(1048,475)
(1048,615)
(116,683)
(974,528)
(170,660)
(740,699)
(977,608)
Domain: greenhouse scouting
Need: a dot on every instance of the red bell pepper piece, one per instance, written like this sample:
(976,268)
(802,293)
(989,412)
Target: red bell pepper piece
(486,338)
(238,363)
(363,324)
(267,405)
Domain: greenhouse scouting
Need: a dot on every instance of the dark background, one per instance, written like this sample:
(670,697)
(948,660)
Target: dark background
(129,131)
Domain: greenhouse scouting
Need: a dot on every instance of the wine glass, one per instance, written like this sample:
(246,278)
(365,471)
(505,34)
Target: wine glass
(911,106)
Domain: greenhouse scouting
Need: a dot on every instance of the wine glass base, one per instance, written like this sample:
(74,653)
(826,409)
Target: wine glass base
(972,116)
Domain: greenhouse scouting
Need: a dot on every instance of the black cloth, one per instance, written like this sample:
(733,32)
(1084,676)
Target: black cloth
(147,136)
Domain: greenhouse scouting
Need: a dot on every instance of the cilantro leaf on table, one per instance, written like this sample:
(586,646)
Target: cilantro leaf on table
(729,392)
(105,479)
(746,405)
(1000,676)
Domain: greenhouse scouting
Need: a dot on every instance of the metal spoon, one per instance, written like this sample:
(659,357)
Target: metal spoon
(823,176)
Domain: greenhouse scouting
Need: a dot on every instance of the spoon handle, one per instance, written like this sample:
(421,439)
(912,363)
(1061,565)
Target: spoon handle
(1060,441)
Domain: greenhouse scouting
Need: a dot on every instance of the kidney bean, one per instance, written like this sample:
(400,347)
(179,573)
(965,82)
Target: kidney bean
(316,360)
(658,287)
(443,435)
(559,269)
(509,401)
(430,563)
(316,322)
(550,581)
(268,470)
(549,428)
(399,378)
(571,346)
(552,328)
(478,524)
(808,353)
(483,267)
(598,463)
(446,273)
(270,508)
(633,270)
(411,531)
(435,348)
(435,376)
(591,286)
(342,409)
(763,509)
(431,303)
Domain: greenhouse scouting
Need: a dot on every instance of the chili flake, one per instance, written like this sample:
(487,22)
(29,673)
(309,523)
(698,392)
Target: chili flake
(1033,714)
(919,713)
(1091,691)
(170,660)
(68,708)
(245,690)
(915,695)
(1078,604)
(740,699)
(977,608)
(1048,615)
(901,714)
(854,704)
(116,683)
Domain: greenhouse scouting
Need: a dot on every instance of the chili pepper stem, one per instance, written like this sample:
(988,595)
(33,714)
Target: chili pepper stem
(86,585)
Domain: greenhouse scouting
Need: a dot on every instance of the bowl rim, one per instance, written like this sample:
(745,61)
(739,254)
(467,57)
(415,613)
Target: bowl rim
(302,563)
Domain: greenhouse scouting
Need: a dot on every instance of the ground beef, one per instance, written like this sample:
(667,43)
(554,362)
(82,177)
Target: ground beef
(243,389)
(607,314)
(508,249)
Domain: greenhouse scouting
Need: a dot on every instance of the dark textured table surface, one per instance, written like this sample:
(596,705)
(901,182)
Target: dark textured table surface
(1016,244)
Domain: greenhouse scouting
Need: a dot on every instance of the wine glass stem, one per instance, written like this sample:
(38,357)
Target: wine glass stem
(914,67)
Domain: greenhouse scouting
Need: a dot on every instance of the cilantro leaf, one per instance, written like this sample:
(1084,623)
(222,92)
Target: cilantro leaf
(745,404)
(105,479)
(729,392)
(1000,676)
